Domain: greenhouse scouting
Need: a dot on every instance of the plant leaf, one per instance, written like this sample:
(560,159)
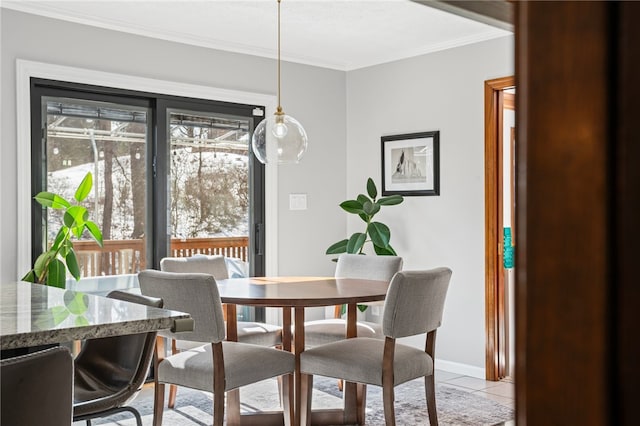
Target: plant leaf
(84,188)
(380,234)
(363,198)
(384,251)
(356,242)
(72,264)
(42,262)
(391,200)
(370,208)
(94,231)
(60,238)
(365,217)
(30,277)
(362,308)
(74,217)
(339,247)
(343,310)
(67,246)
(56,275)
(51,200)
(352,206)
(371,189)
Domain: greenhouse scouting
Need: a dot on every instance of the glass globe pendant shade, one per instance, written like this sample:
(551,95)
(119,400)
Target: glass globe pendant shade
(279,139)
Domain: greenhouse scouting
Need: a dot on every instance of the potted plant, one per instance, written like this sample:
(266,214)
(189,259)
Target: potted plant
(377,233)
(51,267)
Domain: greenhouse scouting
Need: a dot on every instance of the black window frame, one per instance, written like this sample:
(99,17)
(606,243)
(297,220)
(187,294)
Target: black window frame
(157,159)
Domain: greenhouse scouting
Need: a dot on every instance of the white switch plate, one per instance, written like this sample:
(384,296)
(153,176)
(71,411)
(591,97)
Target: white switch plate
(297,201)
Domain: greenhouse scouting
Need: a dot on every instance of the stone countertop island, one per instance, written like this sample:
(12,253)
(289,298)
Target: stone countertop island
(35,314)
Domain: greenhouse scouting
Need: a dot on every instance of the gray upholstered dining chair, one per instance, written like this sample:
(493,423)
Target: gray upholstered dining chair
(37,388)
(217,366)
(380,268)
(109,372)
(256,333)
(414,305)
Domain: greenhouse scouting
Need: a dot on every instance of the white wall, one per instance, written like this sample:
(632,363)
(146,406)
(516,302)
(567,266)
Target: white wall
(315,96)
(344,115)
(441,91)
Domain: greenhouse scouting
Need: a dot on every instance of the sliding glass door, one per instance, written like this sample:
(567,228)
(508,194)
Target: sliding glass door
(209,197)
(172,176)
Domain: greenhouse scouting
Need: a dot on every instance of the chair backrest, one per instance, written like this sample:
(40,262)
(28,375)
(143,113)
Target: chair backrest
(380,268)
(415,302)
(36,389)
(214,265)
(194,293)
(122,362)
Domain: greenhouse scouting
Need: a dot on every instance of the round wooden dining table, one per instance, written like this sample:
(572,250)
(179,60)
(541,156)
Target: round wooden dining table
(298,293)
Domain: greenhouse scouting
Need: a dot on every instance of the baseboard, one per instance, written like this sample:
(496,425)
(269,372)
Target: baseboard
(459,368)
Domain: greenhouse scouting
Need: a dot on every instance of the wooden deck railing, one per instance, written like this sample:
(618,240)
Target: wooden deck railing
(128,256)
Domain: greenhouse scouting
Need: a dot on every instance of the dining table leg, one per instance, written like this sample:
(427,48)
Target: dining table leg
(350,390)
(286,329)
(298,348)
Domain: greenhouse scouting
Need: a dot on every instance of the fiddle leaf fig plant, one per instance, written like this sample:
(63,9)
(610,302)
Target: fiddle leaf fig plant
(51,266)
(367,206)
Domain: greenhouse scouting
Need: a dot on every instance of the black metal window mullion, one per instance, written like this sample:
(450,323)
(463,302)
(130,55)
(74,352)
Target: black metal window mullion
(157,159)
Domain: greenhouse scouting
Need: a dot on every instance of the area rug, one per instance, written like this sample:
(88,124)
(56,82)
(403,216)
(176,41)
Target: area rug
(455,407)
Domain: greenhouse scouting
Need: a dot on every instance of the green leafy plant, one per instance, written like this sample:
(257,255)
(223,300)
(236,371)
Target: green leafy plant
(51,266)
(375,232)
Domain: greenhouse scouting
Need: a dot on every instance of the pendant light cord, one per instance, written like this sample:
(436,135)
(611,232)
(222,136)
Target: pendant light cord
(279,105)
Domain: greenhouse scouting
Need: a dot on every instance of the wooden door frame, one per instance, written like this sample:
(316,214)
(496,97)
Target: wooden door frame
(577,344)
(578,201)
(495,306)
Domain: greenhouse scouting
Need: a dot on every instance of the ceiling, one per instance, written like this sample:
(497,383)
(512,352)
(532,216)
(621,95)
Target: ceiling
(338,34)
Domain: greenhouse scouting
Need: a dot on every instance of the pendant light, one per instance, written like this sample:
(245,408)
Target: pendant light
(279,138)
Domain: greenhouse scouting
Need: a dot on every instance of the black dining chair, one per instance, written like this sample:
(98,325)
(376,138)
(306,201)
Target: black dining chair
(109,372)
(36,389)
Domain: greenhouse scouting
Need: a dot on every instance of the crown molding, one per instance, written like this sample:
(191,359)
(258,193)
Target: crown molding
(70,15)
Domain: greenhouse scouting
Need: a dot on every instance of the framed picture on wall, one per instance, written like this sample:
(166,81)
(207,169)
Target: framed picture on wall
(411,164)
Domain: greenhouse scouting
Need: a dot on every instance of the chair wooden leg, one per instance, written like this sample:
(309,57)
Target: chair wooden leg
(430,388)
(158,403)
(173,389)
(306,393)
(218,409)
(219,385)
(233,407)
(388,402)
(361,400)
(286,397)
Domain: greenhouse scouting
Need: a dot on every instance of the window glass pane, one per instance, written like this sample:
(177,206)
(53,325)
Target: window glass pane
(108,140)
(209,184)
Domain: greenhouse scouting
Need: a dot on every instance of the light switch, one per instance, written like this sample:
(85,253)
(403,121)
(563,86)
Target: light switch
(297,201)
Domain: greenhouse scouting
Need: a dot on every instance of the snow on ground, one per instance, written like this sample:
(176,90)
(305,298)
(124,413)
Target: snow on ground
(64,182)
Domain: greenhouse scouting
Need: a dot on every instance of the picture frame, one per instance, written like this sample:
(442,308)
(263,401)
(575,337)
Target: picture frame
(411,164)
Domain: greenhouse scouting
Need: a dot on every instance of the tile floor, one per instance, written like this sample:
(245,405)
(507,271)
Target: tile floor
(502,392)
